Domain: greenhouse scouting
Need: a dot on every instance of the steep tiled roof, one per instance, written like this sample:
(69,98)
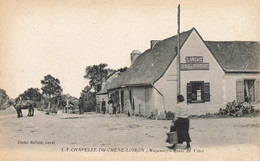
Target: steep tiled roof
(240,56)
(152,64)
(111,78)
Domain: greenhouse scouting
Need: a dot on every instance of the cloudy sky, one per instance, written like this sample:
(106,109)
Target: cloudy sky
(62,37)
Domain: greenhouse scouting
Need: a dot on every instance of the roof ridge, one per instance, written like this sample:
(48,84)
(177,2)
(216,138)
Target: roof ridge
(232,41)
(183,32)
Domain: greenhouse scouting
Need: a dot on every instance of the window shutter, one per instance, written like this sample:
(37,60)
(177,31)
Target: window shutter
(189,92)
(240,90)
(206,92)
(258,90)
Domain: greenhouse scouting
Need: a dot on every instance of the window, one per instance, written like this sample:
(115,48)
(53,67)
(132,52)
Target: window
(198,92)
(249,88)
(122,100)
(130,97)
(246,90)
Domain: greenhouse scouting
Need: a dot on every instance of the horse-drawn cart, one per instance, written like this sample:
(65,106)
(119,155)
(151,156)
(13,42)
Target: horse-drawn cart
(24,104)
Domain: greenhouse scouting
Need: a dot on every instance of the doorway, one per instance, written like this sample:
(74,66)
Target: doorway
(122,100)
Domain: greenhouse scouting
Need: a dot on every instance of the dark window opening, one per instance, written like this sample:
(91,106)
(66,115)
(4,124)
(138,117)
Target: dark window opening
(198,92)
(130,97)
(122,100)
(249,90)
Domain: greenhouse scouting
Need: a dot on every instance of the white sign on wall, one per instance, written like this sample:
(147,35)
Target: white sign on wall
(194,63)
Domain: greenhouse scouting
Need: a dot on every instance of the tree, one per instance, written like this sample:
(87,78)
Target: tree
(51,87)
(3,98)
(32,94)
(121,70)
(89,99)
(96,74)
(60,99)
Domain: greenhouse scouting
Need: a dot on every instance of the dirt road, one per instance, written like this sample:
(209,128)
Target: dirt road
(46,132)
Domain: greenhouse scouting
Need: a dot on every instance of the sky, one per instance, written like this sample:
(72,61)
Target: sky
(63,37)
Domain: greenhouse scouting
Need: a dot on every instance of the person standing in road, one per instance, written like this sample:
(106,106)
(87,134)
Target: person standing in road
(110,105)
(182,123)
(80,105)
(114,107)
(103,106)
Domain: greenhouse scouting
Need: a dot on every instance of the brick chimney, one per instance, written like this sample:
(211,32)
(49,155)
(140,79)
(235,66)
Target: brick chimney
(134,55)
(153,43)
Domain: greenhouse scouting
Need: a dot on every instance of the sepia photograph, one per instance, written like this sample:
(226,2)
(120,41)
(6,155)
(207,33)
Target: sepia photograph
(134,80)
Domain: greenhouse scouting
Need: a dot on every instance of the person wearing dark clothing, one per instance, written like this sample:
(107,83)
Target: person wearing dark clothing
(30,109)
(182,123)
(173,127)
(133,106)
(182,127)
(103,106)
(111,104)
(114,108)
(19,111)
(80,105)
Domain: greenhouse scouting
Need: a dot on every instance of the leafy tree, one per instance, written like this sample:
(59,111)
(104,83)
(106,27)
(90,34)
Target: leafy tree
(51,87)
(89,99)
(11,102)
(60,99)
(122,69)
(3,98)
(96,74)
(32,94)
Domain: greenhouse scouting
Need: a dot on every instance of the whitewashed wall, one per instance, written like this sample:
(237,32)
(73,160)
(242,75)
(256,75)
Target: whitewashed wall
(167,85)
(147,100)
(194,46)
(231,78)
(99,100)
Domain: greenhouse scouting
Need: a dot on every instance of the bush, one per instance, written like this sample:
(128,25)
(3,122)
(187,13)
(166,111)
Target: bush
(237,109)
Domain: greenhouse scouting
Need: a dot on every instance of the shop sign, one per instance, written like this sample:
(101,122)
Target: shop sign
(194,66)
(194,59)
(194,63)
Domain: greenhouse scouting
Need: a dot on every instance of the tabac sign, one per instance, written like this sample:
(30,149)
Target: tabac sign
(194,59)
(194,63)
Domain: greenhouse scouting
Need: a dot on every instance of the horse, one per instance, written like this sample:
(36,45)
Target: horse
(24,105)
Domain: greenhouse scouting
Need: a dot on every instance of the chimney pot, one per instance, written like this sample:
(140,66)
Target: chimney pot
(134,55)
(153,43)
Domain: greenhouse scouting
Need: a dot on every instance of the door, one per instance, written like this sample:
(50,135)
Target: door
(130,98)
(122,100)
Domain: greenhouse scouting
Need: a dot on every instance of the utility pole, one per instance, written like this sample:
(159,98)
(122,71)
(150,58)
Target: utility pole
(178,55)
